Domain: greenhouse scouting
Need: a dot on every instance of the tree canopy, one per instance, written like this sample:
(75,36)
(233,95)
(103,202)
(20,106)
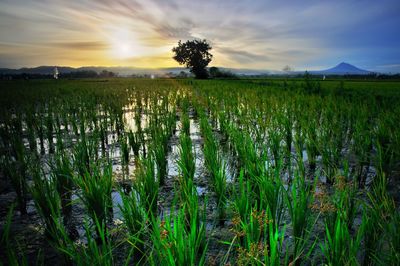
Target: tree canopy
(194,54)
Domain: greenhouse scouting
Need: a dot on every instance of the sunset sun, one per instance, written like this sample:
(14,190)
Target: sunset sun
(124,45)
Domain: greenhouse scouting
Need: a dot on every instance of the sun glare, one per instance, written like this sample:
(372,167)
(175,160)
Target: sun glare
(124,45)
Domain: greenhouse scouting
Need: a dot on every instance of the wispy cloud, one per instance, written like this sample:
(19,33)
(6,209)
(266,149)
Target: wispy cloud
(250,34)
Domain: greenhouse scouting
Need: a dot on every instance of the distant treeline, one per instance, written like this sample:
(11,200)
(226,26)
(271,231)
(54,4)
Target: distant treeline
(213,73)
(69,75)
(372,76)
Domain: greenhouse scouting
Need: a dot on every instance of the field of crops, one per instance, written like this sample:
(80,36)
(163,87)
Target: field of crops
(199,172)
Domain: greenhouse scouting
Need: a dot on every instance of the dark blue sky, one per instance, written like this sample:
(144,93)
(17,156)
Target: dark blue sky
(256,34)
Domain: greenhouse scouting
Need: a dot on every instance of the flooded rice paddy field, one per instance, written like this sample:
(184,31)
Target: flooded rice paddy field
(186,172)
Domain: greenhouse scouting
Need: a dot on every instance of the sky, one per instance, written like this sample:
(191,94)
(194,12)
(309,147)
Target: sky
(257,34)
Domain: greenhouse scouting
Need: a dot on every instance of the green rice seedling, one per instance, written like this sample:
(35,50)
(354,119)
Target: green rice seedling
(73,121)
(175,243)
(220,188)
(16,170)
(103,138)
(41,131)
(49,130)
(18,181)
(47,202)
(62,174)
(185,124)
(259,240)
(147,185)
(160,156)
(138,119)
(383,142)
(298,200)
(134,143)
(142,140)
(339,247)
(285,118)
(186,161)
(30,124)
(362,146)
(270,193)
(247,153)
(343,202)
(124,150)
(251,232)
(188,197)
(243,198)
(275,138)
(85,154)
(210,155)
(81,157)
(216,168)
(299,146)
(5,242)
(134,217)
(274,251)
(97,251)
(380,218)
(393,241)
(95,193)
(310,141)
(348,202)
(222,119)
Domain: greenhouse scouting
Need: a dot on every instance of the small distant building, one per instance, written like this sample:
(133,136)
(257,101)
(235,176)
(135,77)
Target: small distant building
(56,73)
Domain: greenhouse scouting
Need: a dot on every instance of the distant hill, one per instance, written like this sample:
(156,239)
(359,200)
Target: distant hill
(123,71)
(342,69)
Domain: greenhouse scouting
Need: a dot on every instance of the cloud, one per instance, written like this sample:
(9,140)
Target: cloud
(242,56)
(250,34)
(80,45)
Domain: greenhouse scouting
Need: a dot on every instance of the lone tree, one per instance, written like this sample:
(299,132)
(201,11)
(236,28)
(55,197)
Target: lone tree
(194,54)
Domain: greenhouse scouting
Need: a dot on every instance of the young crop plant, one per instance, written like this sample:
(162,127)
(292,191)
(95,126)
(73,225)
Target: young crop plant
(259,242)
(186,161)
(185,124)
(47,202)
(220,188)
(16,168)
(270,193)
(95,193)
(49,130)
(298,200)
(339,246)
(62,173)
(134,217)
(134,143)
(362,147)
(159,151)
(380,220)
(97,251)
(147,185)
(178,241)
(124,151)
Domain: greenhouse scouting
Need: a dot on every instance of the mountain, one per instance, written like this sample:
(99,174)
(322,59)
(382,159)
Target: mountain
(122,71)
(342,69)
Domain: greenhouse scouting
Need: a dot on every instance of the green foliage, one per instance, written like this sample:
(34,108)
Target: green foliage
(194,54)
(147,185)
(178,241)
(95,193)
(266,146)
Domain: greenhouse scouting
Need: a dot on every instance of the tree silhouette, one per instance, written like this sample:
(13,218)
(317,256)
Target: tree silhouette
(194,54)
